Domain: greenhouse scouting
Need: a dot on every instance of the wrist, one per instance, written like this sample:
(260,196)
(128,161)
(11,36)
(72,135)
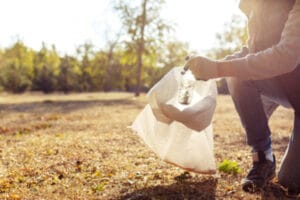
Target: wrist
(223,68)
(219,69)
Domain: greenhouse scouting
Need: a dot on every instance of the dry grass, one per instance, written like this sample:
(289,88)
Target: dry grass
(79,147)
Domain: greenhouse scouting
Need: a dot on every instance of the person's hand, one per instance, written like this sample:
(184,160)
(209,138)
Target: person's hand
(202,68)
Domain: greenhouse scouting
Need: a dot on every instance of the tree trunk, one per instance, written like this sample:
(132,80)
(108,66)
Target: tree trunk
(107,86)
(140,50)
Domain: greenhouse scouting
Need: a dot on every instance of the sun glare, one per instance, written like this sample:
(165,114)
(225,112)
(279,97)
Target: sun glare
(55,22)
(199,21)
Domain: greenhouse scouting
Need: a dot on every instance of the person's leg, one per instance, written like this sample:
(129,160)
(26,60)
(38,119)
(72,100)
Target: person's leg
(269,106)
(253,114)
(289,173)
(254,106)
(284,90)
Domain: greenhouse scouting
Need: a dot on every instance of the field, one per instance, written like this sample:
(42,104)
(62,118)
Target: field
(79,146)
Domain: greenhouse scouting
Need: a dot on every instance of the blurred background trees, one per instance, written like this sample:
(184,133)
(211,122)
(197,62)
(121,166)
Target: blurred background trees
(17,65)
(133,60)
(145,30)
(233,37)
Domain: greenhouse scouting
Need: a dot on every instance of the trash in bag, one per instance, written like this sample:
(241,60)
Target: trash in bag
(180,132)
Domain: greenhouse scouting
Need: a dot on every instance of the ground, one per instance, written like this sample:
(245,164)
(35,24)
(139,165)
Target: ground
(79,146)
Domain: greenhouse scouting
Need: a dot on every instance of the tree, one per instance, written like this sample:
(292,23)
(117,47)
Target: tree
(13,78)
(46,69)
(173,55)
(145,30)
(230,39)
(85,52)
(67,76)
(1,58)
(113,71)
(17,67)
(110,66)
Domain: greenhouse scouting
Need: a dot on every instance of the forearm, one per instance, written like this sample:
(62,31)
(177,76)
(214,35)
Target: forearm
(242,53)
(267,64)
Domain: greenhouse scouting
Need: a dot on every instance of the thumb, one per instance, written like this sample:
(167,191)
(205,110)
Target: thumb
(188,60)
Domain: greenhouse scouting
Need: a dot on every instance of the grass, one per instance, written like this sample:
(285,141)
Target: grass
(229,166)
(79,146)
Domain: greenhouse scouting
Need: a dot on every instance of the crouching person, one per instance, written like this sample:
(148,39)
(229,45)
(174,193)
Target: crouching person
(260,77)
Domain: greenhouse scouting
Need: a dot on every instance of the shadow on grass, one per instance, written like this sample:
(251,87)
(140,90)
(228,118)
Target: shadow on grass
(50,106)
(181,190)
(273,191)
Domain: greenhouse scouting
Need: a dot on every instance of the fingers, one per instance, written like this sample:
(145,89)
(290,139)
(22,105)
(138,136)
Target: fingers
(201,67)
(185,67)
(188,63)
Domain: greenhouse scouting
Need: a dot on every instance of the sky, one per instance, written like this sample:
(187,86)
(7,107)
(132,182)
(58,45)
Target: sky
(68,24)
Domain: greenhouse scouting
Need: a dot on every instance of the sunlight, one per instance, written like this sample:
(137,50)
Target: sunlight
(199,21)
(66,26)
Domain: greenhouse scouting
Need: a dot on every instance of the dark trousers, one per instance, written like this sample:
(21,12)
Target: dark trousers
(255,101)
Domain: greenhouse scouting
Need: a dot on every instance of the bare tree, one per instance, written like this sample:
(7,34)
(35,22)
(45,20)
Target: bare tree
(144,30)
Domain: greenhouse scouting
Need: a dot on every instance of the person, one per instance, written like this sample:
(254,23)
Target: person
(260,77)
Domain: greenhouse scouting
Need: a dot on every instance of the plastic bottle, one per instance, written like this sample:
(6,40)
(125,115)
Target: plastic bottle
(186,87)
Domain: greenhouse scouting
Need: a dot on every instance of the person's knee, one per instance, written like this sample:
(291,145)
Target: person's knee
(236,86)
(231,83)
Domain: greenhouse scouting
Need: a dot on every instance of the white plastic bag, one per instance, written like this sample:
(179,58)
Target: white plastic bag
(180,134)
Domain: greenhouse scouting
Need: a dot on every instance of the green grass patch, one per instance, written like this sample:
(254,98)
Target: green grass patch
(230,167)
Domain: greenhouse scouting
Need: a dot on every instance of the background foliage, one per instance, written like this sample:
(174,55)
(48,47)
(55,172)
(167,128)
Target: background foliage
(133,61)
